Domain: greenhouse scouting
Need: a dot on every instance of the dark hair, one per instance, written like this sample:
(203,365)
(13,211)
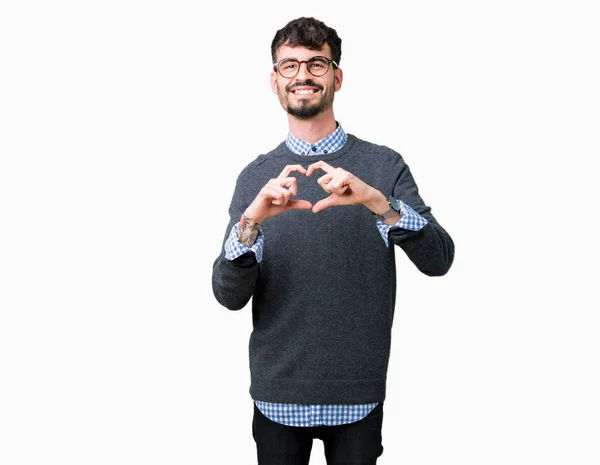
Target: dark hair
(310,33)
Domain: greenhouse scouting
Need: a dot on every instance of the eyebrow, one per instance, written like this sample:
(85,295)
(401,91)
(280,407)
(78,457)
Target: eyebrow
(294,58)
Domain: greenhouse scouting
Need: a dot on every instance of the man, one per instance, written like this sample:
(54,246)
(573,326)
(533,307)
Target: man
(311,241)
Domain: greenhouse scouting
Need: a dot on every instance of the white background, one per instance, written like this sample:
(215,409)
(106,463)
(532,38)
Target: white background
(123,128)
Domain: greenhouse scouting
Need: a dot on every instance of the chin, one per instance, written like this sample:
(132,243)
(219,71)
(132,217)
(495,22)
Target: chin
(304,111)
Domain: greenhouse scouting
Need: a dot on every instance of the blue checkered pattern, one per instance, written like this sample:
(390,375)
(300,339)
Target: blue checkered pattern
(328,144)
(314,415)
(234,248)
(317,415)
(409,219)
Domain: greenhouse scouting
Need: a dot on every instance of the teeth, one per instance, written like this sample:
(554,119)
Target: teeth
(304,91)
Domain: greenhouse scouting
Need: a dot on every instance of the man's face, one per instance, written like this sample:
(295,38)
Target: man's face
(306,96)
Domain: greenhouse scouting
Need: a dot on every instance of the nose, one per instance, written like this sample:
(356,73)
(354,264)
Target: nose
(303,70)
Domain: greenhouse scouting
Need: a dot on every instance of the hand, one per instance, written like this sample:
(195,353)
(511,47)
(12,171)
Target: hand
(344,187)
(274,197)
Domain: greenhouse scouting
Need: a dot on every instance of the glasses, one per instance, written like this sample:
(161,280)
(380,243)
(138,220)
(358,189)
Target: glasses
(317,66)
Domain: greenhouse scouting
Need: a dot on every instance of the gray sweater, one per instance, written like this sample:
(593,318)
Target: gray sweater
(323,296)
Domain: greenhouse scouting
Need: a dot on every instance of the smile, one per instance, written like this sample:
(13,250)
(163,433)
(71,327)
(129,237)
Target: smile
(304,91)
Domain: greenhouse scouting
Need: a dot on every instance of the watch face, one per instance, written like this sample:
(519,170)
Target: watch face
(394,203)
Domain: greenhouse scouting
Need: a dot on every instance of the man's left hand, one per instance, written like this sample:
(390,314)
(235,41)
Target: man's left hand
(344,187)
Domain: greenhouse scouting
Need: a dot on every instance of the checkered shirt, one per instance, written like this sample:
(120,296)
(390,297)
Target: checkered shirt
(314,415)
(328,144)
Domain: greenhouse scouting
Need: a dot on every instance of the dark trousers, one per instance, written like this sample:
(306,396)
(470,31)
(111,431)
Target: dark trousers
(356,443)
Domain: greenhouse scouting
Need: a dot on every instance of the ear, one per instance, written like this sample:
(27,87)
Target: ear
(274,82)
(339,77)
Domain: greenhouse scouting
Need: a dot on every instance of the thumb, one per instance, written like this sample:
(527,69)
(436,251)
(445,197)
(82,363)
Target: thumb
(325,203)
(298,205)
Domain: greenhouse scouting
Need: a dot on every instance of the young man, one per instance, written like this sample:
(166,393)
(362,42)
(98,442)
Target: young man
(311,240)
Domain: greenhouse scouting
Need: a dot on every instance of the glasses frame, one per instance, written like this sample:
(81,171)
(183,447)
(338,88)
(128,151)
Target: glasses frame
(329,63)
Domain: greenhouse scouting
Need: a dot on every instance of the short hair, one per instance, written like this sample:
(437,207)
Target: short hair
(310,33)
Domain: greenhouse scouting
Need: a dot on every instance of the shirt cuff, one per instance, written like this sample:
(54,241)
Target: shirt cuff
(234,248)
(409,219)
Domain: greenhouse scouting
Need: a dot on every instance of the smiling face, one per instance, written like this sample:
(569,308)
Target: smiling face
(306,96)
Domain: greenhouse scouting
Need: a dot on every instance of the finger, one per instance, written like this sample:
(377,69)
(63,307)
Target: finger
(320,165)
(271,195)
(337,185)
(298,205)
(336,189)
(276,194)
(325,203)
(291,183)
(290,169)
(324,180)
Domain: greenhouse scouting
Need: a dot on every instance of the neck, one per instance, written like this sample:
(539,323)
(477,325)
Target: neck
(314,129)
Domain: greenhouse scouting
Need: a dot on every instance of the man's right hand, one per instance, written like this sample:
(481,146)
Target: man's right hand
(273,199)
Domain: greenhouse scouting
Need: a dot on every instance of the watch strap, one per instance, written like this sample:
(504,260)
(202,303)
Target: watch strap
(390,212)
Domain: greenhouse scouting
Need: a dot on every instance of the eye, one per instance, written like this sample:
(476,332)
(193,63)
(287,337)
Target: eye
(318,63)
(288,65)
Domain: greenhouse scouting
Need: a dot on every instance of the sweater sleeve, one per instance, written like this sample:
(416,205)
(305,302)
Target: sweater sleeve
(430,248)
(234,280)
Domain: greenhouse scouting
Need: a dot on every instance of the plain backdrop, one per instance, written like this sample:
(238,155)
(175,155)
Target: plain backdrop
(123,127)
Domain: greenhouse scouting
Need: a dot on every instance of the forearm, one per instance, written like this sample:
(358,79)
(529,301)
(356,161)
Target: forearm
(248,230)
(234,281)
(236,270)
(378,204)
(431,248)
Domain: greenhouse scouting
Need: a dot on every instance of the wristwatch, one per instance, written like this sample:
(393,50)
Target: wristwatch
(394,208)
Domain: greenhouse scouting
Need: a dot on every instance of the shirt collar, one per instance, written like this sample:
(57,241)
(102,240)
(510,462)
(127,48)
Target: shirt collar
(328,144)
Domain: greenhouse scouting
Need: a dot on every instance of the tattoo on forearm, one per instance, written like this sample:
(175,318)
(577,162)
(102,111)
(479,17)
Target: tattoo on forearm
(248,231)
